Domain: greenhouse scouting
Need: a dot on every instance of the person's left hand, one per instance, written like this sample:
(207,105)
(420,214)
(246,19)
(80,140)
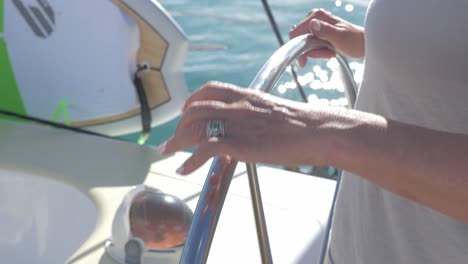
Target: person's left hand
(258,128)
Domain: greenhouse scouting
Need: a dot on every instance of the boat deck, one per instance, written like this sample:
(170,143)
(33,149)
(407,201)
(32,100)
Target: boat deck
(296,210)
(56,184)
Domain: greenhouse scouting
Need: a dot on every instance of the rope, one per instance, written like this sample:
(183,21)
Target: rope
(144,104)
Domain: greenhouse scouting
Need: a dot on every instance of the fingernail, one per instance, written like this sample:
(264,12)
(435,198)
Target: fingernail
(181,170)
(161,149)
(316,25)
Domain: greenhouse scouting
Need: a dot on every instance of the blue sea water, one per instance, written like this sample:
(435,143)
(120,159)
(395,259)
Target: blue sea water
(242,29)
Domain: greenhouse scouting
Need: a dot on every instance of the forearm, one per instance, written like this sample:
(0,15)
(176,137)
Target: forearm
(427,166)
(361,42)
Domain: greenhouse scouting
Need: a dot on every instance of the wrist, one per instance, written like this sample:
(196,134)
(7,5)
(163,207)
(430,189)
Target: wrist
(350,137)
(359,42)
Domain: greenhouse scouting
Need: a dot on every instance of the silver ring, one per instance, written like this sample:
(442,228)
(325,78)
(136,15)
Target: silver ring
(215,128)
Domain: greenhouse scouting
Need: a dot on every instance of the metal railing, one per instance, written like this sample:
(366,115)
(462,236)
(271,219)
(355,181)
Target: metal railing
(212,196)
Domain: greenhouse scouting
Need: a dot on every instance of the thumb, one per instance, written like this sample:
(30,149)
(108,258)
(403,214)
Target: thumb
(325,31)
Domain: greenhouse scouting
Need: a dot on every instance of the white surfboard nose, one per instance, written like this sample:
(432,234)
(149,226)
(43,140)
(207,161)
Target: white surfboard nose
(75,61)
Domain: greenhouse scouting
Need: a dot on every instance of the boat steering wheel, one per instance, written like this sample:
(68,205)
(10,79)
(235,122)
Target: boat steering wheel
(207,212)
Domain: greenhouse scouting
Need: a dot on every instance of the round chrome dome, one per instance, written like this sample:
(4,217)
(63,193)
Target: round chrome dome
(160,220)
(149,225)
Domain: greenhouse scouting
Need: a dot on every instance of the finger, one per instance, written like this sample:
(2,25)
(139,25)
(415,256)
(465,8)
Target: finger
(299,29)
(215,91)
(208,149)
(192,128)
(326,31)
(194,162)
(324,15)
(184,138)
(319,14)
(320,53)
(203,111)
(302,60)
(313,11)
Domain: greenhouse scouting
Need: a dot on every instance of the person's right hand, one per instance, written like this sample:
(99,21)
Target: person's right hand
(348,39)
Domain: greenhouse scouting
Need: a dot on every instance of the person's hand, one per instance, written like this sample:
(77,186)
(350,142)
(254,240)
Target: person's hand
(347,38)
(258,128)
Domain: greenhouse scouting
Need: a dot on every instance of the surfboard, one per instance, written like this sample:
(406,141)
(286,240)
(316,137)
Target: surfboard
(76,61)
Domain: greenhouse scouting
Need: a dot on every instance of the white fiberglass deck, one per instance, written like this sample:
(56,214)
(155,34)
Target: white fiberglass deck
(296,208)
(101,171)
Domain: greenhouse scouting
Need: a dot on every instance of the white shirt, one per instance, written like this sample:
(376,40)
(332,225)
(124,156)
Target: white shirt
(416,72)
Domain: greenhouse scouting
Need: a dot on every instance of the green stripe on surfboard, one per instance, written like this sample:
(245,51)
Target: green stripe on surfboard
(10,98)
(62,108)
